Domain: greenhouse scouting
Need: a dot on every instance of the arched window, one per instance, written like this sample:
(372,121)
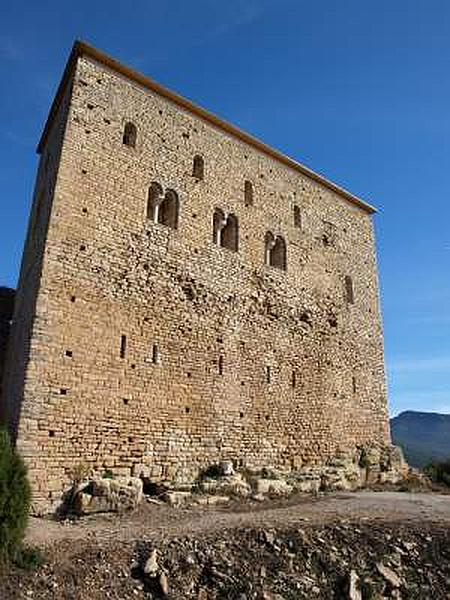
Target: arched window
(225,230)
(129,135)
(248,193)
(269,243)
(297,217)
(349,292)
(168,210)
(275,251)
(278,254)
(219,222)
(198,170)
(230,234)
(154,200)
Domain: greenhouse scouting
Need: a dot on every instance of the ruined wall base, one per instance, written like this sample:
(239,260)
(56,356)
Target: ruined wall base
(347,470)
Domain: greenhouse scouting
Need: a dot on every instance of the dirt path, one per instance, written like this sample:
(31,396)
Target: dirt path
(164,522)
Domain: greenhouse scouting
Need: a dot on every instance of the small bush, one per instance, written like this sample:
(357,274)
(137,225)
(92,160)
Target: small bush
(439,472)
(15,497)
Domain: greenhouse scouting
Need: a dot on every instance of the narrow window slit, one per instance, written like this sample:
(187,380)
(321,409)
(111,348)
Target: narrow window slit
(349,291)
(198,170)
(248,193)
(156,358)
(297,217)
(123,346)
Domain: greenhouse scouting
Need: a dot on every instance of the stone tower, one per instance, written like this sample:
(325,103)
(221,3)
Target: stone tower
(186,294)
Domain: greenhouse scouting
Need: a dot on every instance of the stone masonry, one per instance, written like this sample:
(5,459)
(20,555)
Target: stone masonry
(187,295)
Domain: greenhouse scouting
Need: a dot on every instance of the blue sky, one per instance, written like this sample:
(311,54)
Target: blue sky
(358,91)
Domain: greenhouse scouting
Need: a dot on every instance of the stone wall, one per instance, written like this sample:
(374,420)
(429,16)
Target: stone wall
(153,346)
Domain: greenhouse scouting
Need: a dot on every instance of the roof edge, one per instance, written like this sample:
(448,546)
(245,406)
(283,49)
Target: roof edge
(83,49)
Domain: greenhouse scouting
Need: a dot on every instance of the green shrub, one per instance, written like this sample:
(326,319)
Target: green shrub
(439,472)
(15,496)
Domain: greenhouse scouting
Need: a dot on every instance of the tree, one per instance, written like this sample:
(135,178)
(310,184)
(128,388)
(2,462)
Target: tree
(15,497)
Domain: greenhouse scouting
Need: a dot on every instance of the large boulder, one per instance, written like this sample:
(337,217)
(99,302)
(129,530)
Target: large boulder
(274,487)
(108,495)
(233,485)
(340,479)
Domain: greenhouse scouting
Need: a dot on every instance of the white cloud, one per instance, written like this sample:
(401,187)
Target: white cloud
(437,364)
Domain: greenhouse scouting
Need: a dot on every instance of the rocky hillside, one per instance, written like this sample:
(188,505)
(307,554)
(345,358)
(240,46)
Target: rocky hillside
(355,561)
(424,437)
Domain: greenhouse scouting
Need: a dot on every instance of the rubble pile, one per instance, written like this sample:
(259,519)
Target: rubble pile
(346,471)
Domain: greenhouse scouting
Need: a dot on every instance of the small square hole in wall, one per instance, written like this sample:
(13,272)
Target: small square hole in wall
(241,414)
(63,392)
(69,353)
(82,248)
(133,366)
(84,171)
(87,131)
(267,417)
(84,211)
(187,410)
(72,298)
(126,401)
(160,112)
(188,374)
(51,433)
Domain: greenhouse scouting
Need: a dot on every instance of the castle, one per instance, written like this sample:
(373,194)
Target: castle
(187,294)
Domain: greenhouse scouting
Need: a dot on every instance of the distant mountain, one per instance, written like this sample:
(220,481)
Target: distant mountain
(424,437)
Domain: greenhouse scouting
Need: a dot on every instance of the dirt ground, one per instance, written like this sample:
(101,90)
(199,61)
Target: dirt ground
(359,546)
(164,522)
